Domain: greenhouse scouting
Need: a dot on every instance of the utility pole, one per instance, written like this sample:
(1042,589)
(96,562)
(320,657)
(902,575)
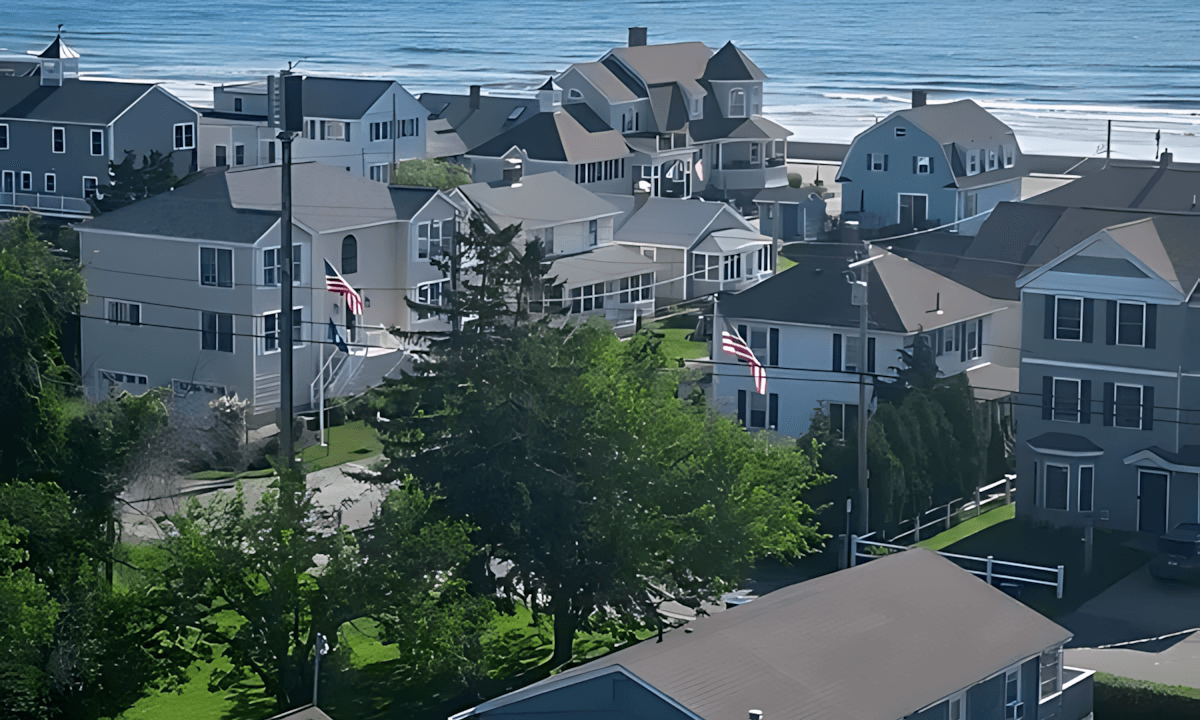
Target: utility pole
(1108,145)
(1157,140)
(321,648)
(455,302)
(395,131)
(293,121)
(858,297)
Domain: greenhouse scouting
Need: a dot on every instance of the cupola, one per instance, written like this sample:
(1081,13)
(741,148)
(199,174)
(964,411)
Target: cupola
(58,62)
(549,96)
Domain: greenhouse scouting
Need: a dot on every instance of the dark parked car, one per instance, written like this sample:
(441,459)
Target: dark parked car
(1178,555)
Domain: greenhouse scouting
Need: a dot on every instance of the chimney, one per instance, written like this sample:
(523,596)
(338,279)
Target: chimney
(637,36)
(756,715)
(850,232)
(918,98)
(475,97)
(1164,160)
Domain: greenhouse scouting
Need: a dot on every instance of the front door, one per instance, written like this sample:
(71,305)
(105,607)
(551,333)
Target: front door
(350,326)
(1152,502)
(222,158)
(9,182)
(912,211)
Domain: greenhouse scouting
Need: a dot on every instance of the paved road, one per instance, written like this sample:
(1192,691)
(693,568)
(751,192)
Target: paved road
(1135,608)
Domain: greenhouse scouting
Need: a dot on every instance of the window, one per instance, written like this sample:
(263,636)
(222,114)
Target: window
(756,100)
(271,152)
(764,259)
(696,106)
(378,173)
(545,238)
(877,162)
(349,255)
(1068,318)
(901,132)
(216,267)
(732,267)
(758,344)
(1066,400)
(380,131)
(574,94)
(58,141)
(972,162)
(991,159)
(335,130)
(1014,709)
(1050,676)
(970,204)
(312,130)
(593,232)
(220,155)
(650,252)
(408,127)
(973,331)
(947,340)
(1131,323)
(1087,488)
(429,238)
(587,298)
(924,165)
(239,154)
(216,331)
(185,136)
(737,103)
(3,136)
(271,257)
(26,181)
(758,411)
(516,113)
(850,353)
(843,418)
(955,706)
(121,311)
(1128,406)
(431,293)
(1055,489)
(237,104)
(634,289)
(1010,155)
(124,378)
(271,330)
(706,267)
(91,187)
(51,183)
(97,142)
(754,153)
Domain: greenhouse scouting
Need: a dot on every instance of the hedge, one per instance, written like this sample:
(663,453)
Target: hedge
(1119,698)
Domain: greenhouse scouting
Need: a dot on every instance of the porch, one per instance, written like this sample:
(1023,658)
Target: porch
(45,204)
(750,164)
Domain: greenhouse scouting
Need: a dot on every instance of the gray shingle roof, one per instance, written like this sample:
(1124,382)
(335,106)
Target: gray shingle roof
(540,200)
(89,102)
(1171,189)
(58,49)
(712,127)
(573,133)
(674,222)
(730,63)
(876,642)
(962,121)
(475,127)
(341,98)
(408,201)
(611,80)
(669,63)
(1063,442)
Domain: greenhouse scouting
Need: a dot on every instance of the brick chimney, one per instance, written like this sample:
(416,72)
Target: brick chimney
(637,36)
(474,105)
(918,98)
(1164,159)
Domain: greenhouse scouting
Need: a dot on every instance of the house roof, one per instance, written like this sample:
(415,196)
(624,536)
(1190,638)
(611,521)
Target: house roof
(751,128)
(1064,442)
(1122,186)
(1188,456)
(341,98)
(666,63)
(88,102)
(669,107)
(58,49)
(788,195)
(611,80)
(240,205)
(538,201)
(961,121)
(876,642)
(915,291)
(730,63)
(476,126)
(573,133)
(307,712)
(672,221)
(731,240)
(604,263)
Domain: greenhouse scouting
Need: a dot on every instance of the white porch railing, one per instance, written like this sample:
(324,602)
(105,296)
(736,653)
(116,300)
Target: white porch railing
(942,515)
(45,203)
(987,568)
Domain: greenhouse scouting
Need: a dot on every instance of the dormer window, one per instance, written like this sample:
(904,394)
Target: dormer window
(696,105)
(516,113)
(574,94)
(972,162)
(991,161)
(1010,155)
(737,103)
(901,132)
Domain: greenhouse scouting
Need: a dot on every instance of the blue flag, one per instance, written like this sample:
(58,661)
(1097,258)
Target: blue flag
(337,339)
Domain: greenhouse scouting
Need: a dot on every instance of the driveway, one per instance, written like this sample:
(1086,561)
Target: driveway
(1136,609)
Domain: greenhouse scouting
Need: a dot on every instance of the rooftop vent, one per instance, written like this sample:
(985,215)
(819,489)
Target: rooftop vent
(918,98)
(756,715)
(637,36)
(475,92)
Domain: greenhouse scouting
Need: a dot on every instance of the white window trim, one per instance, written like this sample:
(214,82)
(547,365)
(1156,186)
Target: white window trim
(973,159)
(1079,501)
(1081,304)
(1141,405)
(702,274)
(928,165)
(1117,339)
(1046,489)
(441,237)
(1016,670)
(732,93)
(108,303)
(1010,155)
(1054,398)
(900,206)
(340,125)
(103,375)
(92,140)
(1058,651)
(297,278)
(232,267)
(961,697)
(416,317)
(49,179)
(236,146)
(7,137)
(574,94)
(84,186)
(653,254)
(993,160)
(232,334)
(53,133)
(297,342)
(26,175)
(882,161)
(186,127)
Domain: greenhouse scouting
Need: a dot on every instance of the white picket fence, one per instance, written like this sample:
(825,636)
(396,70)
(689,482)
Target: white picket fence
(942,515)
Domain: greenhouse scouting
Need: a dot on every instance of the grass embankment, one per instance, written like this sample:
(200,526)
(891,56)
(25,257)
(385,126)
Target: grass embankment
(677,332)
(784,262)
(347,443)
(969,527)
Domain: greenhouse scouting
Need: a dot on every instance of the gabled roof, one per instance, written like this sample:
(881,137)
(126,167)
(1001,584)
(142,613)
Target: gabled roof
(408,201)
(341,98)
(476,126)
(572,133)
(962,121)
(538,201)
(611,80)
(879,641)
(88,102)
(58,50)
(669,63)
(603,263)
(1120,186)
(751,128)
(730,63)
(675,222)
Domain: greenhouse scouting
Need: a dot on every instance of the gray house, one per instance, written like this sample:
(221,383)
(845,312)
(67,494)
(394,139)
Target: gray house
(59,133)
(184,286)
(692,117)
(930,165)
(362,126)
(881,641)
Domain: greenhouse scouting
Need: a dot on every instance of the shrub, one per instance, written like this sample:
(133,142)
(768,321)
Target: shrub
(1127,699)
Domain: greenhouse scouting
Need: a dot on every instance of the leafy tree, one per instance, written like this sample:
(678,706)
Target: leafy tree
(435,173)
(571,454)
(27,617)
(129,182)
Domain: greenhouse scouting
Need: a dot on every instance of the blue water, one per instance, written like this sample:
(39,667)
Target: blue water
(1056,70)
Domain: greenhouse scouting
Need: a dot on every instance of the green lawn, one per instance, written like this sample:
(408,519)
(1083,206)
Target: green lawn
(1023,542)
(351,442)
(784,263)
(969,527)
(676,343)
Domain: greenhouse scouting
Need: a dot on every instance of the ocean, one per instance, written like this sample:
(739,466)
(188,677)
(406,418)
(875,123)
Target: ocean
(1055,70)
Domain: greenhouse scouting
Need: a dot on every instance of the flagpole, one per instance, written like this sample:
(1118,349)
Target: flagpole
(321,380)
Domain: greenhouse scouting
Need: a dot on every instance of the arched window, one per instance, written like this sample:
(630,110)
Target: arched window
(574,94)
(349,255)
(737,103)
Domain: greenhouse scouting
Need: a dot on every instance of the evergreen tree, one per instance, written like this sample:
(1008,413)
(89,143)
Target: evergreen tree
(129,182)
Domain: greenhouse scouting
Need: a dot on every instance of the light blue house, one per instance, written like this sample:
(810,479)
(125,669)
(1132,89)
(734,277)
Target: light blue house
(928,166)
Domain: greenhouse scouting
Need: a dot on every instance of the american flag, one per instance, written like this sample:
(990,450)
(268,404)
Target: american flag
(733,344)
(335,283)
